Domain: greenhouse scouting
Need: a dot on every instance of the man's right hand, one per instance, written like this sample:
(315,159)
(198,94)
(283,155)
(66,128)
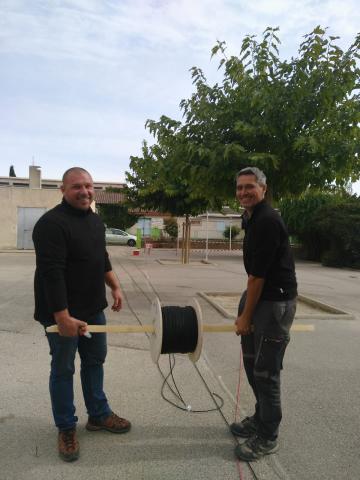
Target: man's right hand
(243,325)
(69,326)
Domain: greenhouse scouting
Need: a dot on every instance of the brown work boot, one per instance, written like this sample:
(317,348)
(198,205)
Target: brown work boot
(69,448)
(112,423)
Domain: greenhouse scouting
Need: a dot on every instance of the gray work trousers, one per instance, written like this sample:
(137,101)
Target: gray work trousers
(263,353)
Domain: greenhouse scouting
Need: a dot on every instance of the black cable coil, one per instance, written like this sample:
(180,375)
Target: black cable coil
(180,329)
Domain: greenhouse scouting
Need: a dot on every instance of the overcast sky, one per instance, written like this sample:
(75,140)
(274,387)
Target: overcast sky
(79,78)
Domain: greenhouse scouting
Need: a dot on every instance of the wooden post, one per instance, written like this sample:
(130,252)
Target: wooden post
(183,244)
(187,241)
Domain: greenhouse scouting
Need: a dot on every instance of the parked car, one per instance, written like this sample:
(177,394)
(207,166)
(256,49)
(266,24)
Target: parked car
(119,237)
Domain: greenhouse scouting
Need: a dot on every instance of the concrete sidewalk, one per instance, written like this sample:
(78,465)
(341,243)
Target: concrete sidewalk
(164,443)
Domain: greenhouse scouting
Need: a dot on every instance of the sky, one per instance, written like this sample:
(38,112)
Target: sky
(79,78)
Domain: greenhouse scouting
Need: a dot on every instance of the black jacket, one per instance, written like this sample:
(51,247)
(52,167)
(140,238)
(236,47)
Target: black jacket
(71,261)
(267,253)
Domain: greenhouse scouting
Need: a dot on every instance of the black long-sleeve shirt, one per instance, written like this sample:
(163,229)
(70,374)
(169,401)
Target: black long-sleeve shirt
(267,253)
(71,262)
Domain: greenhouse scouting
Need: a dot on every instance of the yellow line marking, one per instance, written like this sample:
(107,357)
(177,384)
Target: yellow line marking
(301,327)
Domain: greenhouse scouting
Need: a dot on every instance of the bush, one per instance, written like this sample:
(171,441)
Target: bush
(299,216)
(339,229)
(327,225)
(171,227)
(234,232)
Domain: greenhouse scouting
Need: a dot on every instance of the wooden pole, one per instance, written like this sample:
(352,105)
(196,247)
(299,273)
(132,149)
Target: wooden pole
(187,240)
(183,244)
(215,328)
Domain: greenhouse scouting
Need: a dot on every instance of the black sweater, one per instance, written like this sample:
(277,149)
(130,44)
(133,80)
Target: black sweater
(267,253)
(71,261)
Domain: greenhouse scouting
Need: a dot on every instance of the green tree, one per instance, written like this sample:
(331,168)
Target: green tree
(157,179)
(296,119)
(116,215)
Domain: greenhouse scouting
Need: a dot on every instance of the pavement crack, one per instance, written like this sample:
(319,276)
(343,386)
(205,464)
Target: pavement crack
(7,417)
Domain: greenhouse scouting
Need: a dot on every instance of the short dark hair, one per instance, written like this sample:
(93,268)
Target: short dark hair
(74,169)
(259,174)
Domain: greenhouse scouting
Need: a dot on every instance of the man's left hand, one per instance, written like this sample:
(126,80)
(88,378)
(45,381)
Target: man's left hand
(116,293)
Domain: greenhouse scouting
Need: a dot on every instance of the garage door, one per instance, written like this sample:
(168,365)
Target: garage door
(145,225)
(27,217)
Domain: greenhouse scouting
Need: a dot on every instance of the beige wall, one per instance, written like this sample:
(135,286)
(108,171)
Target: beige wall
(214,227)
(198,226)
(155,222)
(10,199)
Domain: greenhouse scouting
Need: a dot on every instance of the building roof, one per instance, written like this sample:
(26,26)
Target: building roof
(108,198)
(149,213)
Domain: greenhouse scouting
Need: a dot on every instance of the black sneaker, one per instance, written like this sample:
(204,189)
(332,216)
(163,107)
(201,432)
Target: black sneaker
(245,429)
(255,448)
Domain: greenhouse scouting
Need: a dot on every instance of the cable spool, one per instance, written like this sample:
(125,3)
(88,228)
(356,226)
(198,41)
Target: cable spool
(173,330)
(176,330)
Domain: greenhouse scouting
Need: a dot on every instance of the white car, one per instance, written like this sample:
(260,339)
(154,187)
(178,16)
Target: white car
(119,237)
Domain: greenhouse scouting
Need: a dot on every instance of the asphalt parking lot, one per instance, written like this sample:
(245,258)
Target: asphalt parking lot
(319,435)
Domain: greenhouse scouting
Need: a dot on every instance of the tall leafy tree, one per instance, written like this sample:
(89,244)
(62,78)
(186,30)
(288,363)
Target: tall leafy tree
(296,119)
(159,180)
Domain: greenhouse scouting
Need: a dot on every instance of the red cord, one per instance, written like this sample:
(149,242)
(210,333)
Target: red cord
(238,391)
(240,469)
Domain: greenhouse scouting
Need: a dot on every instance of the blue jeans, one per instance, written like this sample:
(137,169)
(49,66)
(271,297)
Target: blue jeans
(92,356)
(263,354)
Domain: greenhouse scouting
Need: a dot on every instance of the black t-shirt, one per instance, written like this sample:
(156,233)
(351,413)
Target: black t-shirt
(71,261)
(267,253)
